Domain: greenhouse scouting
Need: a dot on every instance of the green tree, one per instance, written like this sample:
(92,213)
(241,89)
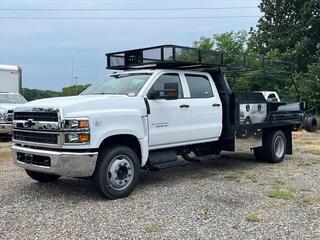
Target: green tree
(34,94)
(74,90)
(230,42)
(292,28)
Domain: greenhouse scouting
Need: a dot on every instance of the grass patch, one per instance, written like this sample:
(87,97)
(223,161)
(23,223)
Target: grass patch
(253,218)
(232,176)
(279,192)
(152,229)
(205,211)
(253,178)
(309,200)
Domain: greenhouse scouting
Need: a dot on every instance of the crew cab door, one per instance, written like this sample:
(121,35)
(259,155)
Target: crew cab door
(205,106)
(169,120)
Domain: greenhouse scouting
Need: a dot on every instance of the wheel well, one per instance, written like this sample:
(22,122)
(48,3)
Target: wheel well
(123,139)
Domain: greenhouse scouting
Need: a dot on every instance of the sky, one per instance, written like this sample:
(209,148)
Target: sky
(44,48)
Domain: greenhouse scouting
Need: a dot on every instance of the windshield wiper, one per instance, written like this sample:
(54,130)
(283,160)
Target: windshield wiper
(104,93)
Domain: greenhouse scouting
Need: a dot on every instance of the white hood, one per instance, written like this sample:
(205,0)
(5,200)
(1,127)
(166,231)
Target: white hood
(86,103)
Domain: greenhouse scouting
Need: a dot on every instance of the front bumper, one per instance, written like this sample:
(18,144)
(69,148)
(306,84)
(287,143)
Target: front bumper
(5,128)
(72,164)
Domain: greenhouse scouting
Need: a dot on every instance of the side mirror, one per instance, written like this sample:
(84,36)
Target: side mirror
(170,92)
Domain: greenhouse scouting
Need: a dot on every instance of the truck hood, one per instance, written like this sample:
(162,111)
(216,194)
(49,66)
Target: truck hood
(85,104)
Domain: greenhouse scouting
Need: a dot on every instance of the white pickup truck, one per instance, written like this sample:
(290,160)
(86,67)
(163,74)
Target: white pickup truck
(8,102)
(139,119)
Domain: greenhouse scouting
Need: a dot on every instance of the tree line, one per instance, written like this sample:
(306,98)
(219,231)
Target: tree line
(34,94)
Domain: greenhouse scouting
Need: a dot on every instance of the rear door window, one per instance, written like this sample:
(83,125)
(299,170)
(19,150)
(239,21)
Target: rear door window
(199,86)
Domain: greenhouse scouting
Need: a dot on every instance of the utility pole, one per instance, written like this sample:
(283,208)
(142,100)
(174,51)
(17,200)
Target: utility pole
(72,70)
(76,83)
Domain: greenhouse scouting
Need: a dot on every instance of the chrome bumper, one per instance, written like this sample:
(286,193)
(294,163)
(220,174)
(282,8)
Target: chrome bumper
(5,128)
(72,164)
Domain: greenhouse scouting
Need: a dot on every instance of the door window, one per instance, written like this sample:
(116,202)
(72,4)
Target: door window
(167,78)
(199,86)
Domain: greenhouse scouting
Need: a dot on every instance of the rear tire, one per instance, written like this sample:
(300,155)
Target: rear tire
(117,172)
(310,124)
(274,147)
(42,177)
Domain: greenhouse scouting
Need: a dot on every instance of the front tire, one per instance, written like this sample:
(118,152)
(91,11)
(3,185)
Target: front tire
(42,177)
(274,147)
(117,172)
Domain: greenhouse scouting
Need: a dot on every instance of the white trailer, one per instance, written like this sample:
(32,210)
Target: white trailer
(10,79)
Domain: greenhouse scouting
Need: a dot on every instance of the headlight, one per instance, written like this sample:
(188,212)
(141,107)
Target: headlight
(77,130)
(77,137)
(76,124)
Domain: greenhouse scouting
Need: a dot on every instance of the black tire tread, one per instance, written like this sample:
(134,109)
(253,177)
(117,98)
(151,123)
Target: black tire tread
(310,124)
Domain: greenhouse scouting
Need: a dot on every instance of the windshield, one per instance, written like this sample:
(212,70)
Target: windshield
(124,84)
(12,98)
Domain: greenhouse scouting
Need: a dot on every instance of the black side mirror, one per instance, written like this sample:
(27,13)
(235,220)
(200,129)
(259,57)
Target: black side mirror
(170,92)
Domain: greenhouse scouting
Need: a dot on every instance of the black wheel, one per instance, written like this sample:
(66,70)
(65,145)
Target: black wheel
(258,154)
(117,172)
(42,177)
(274,147)
(310,124)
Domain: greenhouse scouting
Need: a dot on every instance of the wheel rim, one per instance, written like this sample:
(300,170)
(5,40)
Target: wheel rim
(279,146)
(120,172)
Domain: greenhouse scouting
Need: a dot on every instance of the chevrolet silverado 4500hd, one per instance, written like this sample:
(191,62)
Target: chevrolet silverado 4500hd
(160,107)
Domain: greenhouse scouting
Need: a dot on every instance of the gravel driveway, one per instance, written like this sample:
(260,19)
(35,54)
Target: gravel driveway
(233,197)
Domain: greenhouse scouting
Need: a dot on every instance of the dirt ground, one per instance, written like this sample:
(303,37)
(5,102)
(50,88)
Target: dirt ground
(232,197)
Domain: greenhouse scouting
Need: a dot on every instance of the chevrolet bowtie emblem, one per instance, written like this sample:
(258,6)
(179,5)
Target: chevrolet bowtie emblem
(29,123)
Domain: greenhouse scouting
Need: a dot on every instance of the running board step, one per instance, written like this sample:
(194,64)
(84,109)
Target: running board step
(178,163)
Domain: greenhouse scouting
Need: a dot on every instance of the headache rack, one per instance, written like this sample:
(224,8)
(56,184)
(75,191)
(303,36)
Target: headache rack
(179,57)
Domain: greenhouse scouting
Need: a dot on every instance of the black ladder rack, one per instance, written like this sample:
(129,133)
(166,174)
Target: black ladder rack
(179,57)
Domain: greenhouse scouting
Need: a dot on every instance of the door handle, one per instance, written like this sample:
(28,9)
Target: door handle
(216,105)
(184,106)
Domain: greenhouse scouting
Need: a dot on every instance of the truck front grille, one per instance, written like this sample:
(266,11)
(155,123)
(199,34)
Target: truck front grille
(36,116)
(36,137)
